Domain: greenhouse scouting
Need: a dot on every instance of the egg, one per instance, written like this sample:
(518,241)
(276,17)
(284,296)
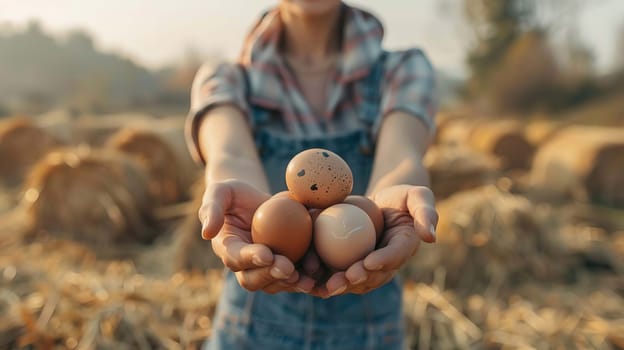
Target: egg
(318,178)
(284,225)
(343,234)
(373,211)
(283,194)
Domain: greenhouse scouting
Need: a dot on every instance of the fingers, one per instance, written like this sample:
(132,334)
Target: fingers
(338,284)
(282,270)
(402,245)
(421,206)
(238,254)
(356,273)
(304,284)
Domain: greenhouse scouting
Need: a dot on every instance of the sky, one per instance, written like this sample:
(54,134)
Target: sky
(158,32)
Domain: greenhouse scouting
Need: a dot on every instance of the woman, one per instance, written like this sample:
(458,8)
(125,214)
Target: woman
(313,74)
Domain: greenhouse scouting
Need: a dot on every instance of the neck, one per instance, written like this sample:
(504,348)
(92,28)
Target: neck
(311,39)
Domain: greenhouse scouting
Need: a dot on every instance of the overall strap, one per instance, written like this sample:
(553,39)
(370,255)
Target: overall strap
(257,114)
(246,82)
(372,90)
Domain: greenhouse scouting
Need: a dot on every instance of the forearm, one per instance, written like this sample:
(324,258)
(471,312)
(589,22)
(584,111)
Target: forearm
(227,166)
(228,148)
(409,171)
(401,146)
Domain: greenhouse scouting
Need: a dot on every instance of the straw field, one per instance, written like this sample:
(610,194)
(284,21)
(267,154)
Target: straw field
(100,247)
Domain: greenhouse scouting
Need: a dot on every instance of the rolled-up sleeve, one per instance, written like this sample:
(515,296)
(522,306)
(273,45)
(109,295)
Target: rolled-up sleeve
(212,86)
(409,86)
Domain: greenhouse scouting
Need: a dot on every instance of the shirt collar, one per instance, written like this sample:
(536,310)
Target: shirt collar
(361,47)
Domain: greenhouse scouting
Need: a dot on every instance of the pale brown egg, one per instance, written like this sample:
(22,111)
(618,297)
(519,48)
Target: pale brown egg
(343,234)
(284,225)
(371,209)
(319,178)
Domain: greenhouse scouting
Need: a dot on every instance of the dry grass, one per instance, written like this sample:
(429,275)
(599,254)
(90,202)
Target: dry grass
(67,299)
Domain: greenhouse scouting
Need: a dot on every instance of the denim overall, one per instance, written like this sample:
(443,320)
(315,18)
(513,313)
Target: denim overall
(256,320)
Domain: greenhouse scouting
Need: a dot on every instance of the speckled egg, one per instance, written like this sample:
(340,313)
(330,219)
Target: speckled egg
(284,225)
(319,178)
(343,234)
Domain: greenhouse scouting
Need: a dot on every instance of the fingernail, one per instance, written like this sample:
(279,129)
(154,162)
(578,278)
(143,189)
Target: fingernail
(338,291)
(278,274)
(376,268)
(432,231)
(361,280)
(259,262)
(301,290)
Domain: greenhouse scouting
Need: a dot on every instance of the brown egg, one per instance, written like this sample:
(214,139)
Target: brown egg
(371,209)
(283,194)
(319,178)
(284,225)
(343,234)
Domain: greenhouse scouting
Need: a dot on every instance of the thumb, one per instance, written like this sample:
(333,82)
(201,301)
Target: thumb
(216,200)
(421,206)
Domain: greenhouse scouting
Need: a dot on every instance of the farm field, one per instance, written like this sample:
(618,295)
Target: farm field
(100,246)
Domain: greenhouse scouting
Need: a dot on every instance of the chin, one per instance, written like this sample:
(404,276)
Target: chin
(311,8)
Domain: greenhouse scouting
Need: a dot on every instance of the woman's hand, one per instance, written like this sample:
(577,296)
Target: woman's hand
(410,217)
(226,214)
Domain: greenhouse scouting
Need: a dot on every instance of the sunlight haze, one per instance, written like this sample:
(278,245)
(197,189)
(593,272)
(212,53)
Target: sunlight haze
(160,32)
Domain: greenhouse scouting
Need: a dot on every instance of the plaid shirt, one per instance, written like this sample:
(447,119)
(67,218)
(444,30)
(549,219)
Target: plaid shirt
(408,81)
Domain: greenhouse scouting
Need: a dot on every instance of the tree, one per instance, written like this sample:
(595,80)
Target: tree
(495,25)
(618,59)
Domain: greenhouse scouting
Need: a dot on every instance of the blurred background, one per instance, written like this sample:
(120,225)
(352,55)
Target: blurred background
(99,241)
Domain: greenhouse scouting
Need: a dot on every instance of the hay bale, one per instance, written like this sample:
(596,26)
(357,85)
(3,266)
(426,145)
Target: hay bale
(584,162)
(453,169)
(90,196)
(487,238)
(59,123)
(504,139)
(95,130)
(21,145)
(158,159)
(541,131)
(171,130)
(455,131)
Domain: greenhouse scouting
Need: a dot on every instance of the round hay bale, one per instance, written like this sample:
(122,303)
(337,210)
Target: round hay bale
(89,196)
(456,131)
(157,157)
(504,139)
(582,161)
(95,130)
(171,129)
(541,131)
(487,238)
(453,169)
(21,144)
